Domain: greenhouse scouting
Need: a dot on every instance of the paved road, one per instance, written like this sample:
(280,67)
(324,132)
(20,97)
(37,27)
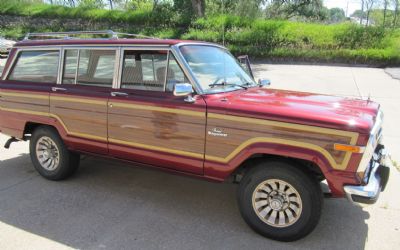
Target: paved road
(110,205)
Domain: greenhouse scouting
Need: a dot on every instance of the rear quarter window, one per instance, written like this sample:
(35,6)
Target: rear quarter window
(36,66)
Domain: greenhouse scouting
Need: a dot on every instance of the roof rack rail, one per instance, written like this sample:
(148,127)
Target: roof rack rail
(74,34)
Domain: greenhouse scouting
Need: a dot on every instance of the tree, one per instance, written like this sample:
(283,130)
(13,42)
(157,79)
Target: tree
(248,8)
(245,8)
(369,4)
(290,8)
(336,15)
(385,8)
(396,4)
(199,7)
(92,4)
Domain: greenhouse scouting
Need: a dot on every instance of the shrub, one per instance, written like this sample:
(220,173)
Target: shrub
(356,36)
(273,39)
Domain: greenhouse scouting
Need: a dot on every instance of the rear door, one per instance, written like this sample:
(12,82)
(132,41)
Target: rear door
(79,103)
(147,123)
(24,93)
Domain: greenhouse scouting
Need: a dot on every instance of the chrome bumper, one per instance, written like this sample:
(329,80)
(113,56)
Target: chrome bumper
(376,178)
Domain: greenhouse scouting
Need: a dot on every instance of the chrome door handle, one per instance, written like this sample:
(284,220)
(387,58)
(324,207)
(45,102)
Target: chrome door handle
(118,94)
(55,89)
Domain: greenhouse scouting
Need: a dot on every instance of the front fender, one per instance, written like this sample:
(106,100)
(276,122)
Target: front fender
(218,169)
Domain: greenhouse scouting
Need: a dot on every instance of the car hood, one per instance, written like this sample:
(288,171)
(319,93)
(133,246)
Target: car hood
(320,110)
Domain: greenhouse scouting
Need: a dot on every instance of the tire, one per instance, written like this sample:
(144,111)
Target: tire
(50,156)
(297,210)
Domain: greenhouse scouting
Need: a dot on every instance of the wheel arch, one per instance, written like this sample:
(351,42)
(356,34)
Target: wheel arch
(31,126)
(308,167)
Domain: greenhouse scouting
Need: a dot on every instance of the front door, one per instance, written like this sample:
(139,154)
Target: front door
(79,103)
(147,123)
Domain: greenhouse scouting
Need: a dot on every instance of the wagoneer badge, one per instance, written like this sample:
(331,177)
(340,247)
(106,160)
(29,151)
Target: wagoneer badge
(217,132)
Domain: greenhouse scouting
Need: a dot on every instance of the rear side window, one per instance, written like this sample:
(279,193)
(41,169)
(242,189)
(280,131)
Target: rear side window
(89,67)
(36,66)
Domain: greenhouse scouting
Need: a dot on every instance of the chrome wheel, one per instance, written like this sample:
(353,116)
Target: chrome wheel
(47,153)
(277,203)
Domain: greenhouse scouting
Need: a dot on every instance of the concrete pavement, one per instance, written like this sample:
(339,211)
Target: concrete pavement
(393,72)
(109,205)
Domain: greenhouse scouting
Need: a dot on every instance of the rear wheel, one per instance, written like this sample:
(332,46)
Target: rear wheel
(50,156)
(280,201)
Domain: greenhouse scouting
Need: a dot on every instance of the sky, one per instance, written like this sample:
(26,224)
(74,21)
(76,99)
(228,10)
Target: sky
(353,5)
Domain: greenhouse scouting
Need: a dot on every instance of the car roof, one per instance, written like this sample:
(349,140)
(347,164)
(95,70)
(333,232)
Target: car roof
(102,41)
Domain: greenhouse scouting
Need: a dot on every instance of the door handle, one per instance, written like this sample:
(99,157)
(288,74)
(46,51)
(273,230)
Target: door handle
(118,94)
(55,89)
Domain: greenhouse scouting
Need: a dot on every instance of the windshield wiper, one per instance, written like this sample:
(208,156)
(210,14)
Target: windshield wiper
(226,84)
(247,85)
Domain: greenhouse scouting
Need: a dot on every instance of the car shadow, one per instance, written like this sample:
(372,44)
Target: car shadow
(115,206)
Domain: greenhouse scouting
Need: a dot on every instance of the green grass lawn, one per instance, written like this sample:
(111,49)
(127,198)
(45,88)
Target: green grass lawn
(259,38)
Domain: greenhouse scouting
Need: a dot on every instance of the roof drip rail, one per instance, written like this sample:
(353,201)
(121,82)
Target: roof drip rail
(75,35)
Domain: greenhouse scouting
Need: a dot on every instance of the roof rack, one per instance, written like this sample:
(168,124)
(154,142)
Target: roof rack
(74,34)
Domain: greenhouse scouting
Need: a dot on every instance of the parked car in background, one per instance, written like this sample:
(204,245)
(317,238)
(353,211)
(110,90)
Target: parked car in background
(5,46)
(192,108)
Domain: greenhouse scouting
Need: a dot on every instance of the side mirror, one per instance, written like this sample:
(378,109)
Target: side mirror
(264,82)
(184,89)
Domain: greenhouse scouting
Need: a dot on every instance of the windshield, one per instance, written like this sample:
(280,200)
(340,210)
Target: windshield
(216,69)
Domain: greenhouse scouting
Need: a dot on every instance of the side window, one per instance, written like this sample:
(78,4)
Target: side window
(175,74)
(95,67)
(144,70)
(36,66)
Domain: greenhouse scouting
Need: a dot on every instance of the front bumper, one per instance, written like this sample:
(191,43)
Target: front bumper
(375,181)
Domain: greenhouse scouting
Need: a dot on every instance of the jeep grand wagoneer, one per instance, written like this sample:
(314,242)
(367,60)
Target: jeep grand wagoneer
(192,108)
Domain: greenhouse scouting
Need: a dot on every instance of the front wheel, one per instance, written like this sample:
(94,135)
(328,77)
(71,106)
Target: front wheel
(50,156)
(279,201)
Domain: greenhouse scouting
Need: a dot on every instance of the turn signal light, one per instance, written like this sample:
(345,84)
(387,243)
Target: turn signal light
(348,148)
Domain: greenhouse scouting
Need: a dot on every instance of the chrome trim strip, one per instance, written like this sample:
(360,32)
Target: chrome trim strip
(373,141)
(116,68)
(166,72)
(78,56)
(60,65)
(200,44)
(120,66)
